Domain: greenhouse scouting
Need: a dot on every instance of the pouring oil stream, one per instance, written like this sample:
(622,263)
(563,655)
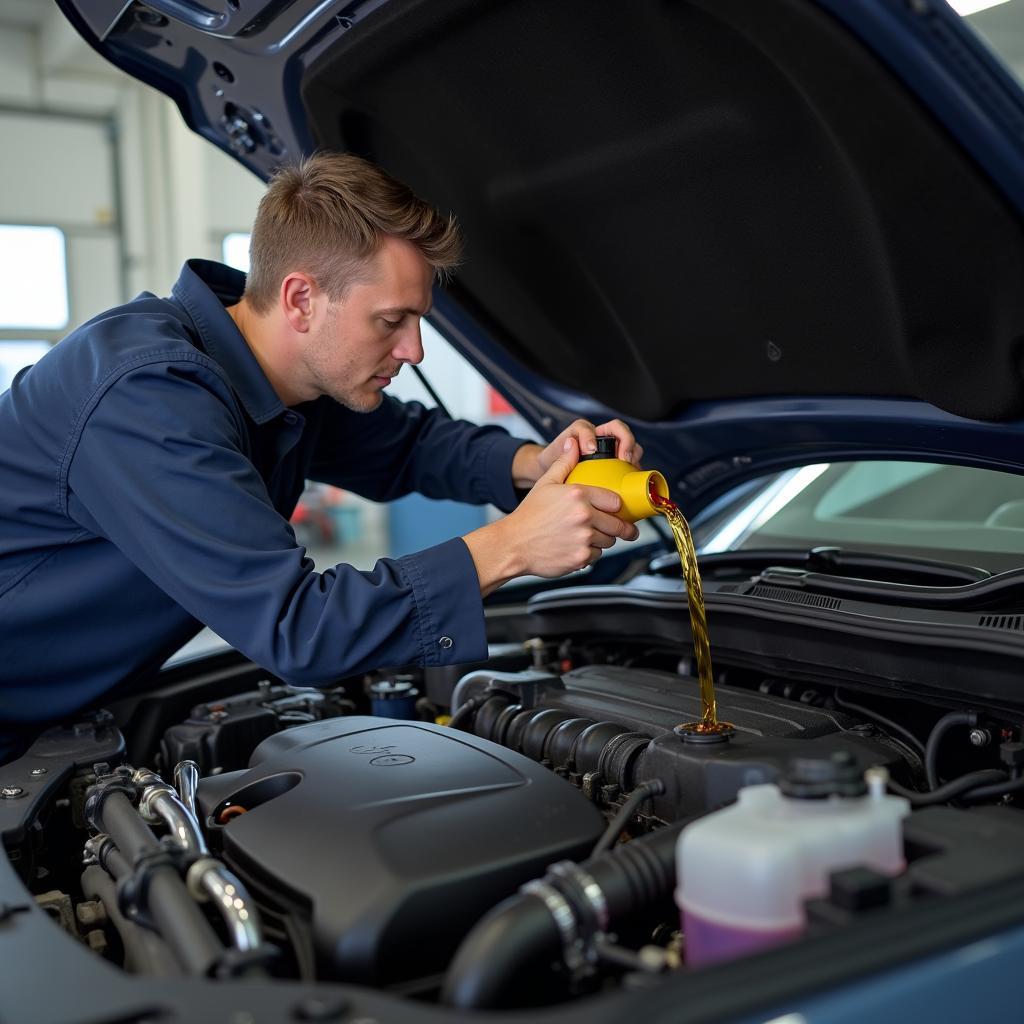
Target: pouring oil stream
(645,493)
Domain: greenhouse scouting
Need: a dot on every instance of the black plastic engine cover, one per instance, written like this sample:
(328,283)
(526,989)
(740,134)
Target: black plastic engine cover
(393,838)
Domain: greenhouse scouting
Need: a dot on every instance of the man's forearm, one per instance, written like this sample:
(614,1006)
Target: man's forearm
(492,554)
(526,469)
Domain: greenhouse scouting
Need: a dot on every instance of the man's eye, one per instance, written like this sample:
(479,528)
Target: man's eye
(392,324)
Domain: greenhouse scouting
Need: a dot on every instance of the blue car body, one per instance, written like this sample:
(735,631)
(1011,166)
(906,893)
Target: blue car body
(707,445)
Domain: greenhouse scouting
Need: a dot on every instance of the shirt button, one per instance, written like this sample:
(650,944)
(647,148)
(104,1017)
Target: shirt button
(445,642)
(290,418)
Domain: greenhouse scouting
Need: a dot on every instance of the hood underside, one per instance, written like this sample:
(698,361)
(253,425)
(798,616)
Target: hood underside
(670,202)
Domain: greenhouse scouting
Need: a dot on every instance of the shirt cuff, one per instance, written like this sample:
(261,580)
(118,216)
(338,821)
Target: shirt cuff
(448,607)
(498,470)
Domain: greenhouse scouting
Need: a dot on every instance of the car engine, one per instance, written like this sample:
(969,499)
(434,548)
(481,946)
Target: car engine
(505,835)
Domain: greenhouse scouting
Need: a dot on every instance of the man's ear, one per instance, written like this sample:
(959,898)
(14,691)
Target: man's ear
(298,299)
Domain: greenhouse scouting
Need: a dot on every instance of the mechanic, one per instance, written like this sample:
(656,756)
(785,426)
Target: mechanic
(151,460)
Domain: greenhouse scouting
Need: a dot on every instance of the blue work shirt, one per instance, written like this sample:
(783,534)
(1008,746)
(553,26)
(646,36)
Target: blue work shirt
(147,473)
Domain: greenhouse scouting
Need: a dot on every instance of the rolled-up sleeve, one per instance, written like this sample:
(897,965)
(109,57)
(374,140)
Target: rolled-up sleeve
(160,469)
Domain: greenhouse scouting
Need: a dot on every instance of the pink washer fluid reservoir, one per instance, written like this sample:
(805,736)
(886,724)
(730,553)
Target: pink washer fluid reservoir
(744,872)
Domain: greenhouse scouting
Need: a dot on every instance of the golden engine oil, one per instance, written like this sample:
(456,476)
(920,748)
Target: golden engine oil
(644,493)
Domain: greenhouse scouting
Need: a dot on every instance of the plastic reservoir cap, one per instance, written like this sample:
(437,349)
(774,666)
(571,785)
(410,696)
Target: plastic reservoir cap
(816,778)
(397,689)
(606,446)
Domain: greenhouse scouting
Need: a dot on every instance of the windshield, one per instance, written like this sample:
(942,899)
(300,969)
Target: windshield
(1001,24)
(950,513)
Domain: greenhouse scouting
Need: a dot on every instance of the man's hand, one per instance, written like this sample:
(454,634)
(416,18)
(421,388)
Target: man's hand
(555,530)
(532,461)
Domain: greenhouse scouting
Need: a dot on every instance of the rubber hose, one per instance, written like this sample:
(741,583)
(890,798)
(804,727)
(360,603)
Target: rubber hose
(178,920)
(935,737)
(509,945)
(502,960)
(655,787)
(145,952)
(464,712)
(966,786)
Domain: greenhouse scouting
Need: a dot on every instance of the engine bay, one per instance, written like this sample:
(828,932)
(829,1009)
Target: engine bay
(525,833)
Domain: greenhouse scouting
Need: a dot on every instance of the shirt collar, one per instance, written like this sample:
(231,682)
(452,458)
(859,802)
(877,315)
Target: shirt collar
(204,288)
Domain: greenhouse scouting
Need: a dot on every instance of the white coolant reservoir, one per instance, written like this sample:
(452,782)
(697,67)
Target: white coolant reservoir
(745,871)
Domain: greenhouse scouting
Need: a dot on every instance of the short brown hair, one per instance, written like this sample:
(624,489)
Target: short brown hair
(328,216)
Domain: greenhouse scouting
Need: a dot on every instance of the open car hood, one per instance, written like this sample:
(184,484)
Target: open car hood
(765,233)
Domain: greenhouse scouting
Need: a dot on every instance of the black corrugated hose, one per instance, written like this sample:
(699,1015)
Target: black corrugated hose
(505,959)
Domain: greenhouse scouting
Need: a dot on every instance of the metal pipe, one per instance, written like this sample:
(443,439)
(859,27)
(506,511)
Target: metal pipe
(186,782)
(208,879)
(214,881)
(159,802)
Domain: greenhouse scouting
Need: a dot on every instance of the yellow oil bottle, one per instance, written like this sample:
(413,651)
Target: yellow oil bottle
(634,486)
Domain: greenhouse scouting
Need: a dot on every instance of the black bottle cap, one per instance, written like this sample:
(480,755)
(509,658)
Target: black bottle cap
(815,778)
(605,449)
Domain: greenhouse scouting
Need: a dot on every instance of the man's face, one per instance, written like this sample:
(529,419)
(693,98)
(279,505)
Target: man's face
(364,339)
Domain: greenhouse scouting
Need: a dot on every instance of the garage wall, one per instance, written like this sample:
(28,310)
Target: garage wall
(43,185)
(111,163)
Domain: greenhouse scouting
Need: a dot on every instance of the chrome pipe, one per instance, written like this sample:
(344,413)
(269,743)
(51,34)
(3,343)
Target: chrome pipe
(159,802)
(207,878)
(186,782)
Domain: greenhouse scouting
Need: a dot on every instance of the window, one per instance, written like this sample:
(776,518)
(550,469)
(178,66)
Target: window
(34,291)
(14,355)
(235,250)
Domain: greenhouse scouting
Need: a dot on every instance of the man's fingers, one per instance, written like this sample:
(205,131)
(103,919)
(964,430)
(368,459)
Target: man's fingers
(586,436)
(610,525)
(625,442)
(563,464)
(601,498)
(605,505)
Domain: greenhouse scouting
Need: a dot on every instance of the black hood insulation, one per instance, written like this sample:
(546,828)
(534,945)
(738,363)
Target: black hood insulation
(667,202)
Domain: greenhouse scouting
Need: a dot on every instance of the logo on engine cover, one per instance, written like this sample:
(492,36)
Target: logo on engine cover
(393,759)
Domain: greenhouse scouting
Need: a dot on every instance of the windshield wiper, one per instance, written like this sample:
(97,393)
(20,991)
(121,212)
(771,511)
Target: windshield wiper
(834,561)
(930,571)
(1000,589)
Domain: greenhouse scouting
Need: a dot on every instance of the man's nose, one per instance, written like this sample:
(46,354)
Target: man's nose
(410,345)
